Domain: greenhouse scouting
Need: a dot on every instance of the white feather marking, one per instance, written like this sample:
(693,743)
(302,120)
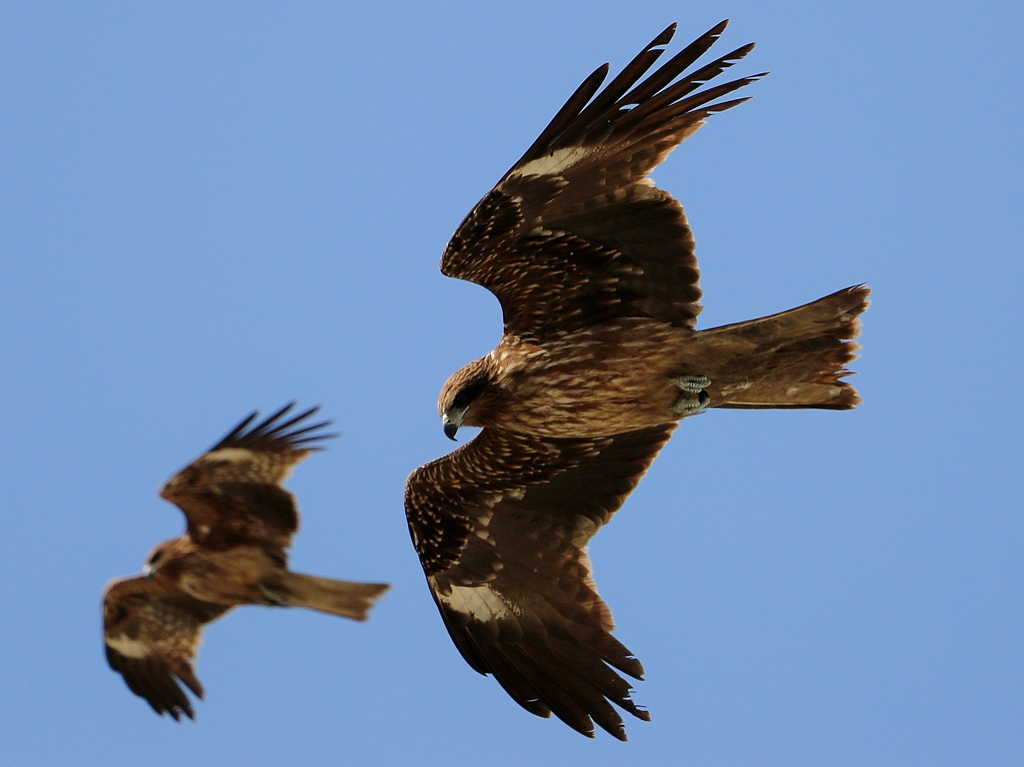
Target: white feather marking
(588,567)
(230,455)
(553,164)
(583,530)
(130,648)
(481,602)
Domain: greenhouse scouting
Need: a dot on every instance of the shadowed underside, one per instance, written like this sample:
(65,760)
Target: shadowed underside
(595,270)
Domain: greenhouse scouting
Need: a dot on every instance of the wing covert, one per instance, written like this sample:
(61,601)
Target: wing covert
(233,493)
(575,233)
(502,526)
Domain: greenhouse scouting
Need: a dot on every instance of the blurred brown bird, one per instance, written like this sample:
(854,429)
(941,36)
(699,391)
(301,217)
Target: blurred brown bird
(234,552)
(595,270)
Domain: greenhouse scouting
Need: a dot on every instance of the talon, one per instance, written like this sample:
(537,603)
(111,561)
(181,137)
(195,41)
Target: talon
(693,384)
(687,405)
(271,596)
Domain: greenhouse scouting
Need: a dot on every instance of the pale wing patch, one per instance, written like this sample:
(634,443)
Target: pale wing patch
(278,465)
(481,602)
(583,529)
(229,455)
(553,164)
(130,648)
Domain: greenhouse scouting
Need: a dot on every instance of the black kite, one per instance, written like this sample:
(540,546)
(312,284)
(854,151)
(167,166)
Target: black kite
(595,270)
(234,552)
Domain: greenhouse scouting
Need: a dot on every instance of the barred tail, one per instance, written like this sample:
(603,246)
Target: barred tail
(794,359)
(344,598)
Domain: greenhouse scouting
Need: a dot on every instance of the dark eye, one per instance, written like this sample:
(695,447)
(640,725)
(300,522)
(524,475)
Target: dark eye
(461,400)
(155,558)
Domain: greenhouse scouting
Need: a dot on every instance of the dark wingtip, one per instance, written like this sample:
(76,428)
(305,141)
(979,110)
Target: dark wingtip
(274,433)
(666,35)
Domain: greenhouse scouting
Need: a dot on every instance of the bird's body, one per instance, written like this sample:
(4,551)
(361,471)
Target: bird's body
(235,576)
(234,552)
(596,273)
(616,375)
(622,374)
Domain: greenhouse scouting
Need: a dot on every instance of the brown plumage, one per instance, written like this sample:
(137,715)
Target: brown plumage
(234,552)
(595,270)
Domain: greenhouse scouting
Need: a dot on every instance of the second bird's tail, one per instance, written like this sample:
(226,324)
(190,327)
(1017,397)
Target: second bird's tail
(345,598)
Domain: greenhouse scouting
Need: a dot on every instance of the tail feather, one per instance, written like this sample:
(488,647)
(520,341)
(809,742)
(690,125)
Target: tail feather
(794,359)
(345,598)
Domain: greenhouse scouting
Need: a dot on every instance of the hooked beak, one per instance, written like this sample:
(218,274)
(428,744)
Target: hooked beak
(452,420)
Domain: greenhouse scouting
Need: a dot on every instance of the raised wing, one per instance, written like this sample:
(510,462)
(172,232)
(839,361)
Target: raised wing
(575,233)
(152,635)
(501,526)
(233,495)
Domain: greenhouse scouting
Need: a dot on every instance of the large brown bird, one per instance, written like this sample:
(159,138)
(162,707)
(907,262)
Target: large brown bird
(595,270)
(240,524)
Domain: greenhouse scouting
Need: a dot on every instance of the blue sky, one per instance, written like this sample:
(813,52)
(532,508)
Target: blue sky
(212,207)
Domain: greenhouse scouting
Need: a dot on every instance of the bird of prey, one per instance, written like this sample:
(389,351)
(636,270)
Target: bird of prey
(234,552)
(595,271)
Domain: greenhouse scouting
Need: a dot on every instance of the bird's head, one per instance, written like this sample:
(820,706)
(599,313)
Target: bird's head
(161,555)
(461,397)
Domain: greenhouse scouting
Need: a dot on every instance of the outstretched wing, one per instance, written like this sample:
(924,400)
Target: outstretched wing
(501,526)
(233,494)
(152,633)
(575,233)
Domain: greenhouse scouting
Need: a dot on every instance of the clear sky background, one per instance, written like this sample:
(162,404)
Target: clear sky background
(212,207)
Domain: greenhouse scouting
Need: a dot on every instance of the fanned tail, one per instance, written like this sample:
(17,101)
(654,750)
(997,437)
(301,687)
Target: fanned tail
(794,359)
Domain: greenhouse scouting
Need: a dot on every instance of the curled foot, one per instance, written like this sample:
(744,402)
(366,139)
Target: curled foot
(694,398)
(272,597)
